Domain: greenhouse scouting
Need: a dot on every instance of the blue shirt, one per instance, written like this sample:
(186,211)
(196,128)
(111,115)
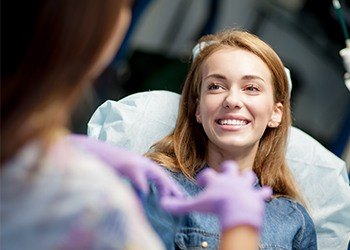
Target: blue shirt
(287,224)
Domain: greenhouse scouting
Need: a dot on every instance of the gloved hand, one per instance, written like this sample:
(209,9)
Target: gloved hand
(135,167)
(229,195)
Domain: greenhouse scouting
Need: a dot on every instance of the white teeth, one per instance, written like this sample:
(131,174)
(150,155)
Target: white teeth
(232,122)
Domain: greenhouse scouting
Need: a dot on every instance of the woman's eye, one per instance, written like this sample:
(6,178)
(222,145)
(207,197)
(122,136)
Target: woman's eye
(214,86)
(252,88)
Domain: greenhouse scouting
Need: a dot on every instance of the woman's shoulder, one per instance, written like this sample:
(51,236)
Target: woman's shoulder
(287,204)
(290,210)
(291,222)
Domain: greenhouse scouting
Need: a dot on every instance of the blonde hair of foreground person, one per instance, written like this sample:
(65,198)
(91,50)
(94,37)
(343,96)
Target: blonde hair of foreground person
(50,69)
(185,148)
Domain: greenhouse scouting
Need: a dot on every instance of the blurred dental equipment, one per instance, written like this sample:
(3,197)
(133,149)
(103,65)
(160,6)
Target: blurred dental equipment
(344,53)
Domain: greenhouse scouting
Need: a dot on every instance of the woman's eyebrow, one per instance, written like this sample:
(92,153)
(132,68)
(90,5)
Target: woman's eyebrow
(222,77)
(252,77)
(216,76)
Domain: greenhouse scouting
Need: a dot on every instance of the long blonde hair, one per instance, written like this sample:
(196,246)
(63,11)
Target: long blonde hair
(185,148)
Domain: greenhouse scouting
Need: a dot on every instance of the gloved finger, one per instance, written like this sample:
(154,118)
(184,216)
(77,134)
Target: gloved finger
(265,192)
(250,177)
(169,189)
(175,191)
(206,176)
(181,206)
(165,184)
(230,167)
(139,180)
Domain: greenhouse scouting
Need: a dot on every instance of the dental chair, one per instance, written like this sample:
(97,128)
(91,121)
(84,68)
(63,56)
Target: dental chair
(139,120)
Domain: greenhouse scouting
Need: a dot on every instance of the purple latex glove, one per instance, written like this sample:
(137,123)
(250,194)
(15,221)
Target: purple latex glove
(229,195)
(135,167)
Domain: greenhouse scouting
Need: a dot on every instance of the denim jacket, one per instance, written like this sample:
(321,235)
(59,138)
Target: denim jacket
(287,224)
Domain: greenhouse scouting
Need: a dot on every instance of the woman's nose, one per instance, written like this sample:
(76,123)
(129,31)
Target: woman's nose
(233,100)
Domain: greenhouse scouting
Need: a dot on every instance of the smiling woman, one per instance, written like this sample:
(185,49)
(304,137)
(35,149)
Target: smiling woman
(234,106)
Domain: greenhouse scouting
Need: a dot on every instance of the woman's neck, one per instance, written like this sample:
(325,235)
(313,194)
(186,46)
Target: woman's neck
(244,157)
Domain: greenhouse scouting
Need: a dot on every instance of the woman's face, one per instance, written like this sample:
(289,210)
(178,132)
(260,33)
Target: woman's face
(236,101)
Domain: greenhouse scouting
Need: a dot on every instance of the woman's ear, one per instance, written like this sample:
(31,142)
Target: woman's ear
(276,116)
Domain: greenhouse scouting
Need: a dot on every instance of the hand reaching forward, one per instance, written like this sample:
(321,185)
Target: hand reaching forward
(229,195)
(135,167)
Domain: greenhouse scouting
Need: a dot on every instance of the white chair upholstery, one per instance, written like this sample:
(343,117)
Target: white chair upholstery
(137,121)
